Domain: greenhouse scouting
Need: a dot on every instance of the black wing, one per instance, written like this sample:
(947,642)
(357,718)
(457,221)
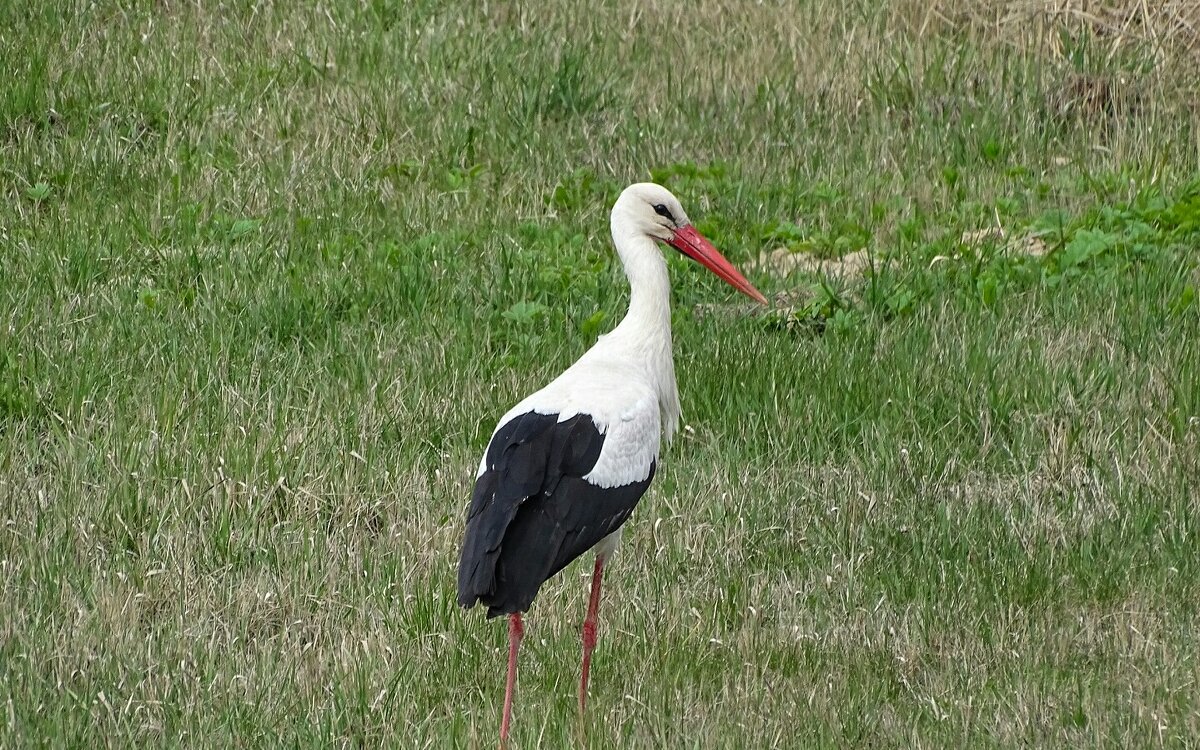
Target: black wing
(532,512)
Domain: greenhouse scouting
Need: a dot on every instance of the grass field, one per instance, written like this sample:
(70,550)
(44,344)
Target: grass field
(269,275)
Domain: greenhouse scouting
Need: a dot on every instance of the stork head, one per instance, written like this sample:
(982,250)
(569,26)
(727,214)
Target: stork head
(651,210)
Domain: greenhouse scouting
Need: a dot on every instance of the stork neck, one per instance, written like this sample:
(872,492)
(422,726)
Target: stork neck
(649,288)
(645,332)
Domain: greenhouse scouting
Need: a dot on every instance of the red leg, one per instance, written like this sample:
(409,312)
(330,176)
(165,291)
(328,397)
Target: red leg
(589,631)
(516,631)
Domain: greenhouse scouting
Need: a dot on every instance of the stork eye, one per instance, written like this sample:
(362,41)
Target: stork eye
(664,212)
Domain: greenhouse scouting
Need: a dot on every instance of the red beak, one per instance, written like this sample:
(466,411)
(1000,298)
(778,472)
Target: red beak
(693,244)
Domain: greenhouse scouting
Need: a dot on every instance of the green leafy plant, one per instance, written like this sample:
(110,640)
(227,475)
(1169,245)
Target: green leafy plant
(458,178)
(38,192)
(525,313)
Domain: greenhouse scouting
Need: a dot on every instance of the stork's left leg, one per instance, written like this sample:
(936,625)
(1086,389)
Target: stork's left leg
(516,632)
(589,631)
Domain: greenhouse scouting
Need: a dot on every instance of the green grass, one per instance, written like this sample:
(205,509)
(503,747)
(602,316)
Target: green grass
(271,275)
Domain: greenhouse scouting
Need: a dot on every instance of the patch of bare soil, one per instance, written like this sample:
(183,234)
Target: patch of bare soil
(1026,244)
(783,262)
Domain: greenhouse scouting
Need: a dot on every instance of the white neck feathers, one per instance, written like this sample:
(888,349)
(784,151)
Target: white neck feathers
(645,331)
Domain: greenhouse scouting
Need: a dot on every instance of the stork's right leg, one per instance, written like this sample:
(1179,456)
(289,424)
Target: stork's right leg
(516,631)
(589,632)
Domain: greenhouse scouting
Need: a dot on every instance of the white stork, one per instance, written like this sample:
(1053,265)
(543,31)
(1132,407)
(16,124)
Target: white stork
(566,466)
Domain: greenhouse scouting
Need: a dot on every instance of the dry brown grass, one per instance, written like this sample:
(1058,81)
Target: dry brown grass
(1170,27)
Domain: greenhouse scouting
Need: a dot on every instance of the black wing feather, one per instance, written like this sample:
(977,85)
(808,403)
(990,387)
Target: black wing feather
(532,513)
